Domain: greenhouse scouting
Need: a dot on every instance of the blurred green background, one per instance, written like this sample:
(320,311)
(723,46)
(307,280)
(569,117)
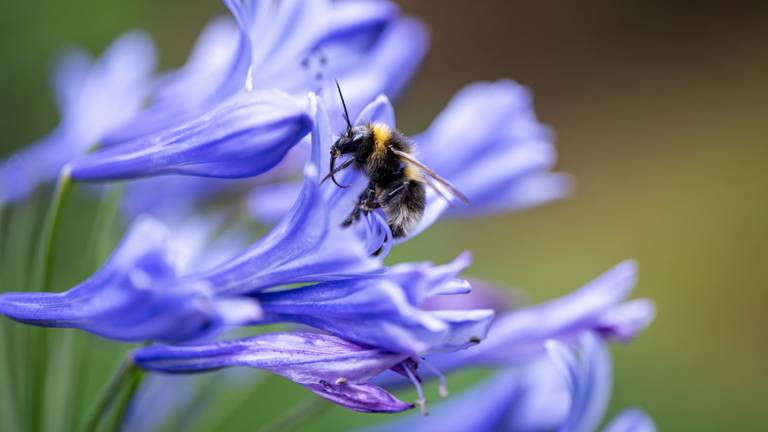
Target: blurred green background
(661,112)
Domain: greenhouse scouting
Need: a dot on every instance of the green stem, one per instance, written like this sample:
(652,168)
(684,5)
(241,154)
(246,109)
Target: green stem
(134,382)
(98,241)
(43,273)
(295,417)
(13,407)
(44,257)
(119,379)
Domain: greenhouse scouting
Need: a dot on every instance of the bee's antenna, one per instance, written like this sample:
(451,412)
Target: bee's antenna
(344,104)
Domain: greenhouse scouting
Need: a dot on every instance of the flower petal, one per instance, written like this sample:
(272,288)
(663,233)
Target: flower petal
(244,136)
(488,143)
(306,246)
(188,91)
(132,297)
(520,334)
(94,97)
(591,378)
(329,366)
(383,310)
(532,398)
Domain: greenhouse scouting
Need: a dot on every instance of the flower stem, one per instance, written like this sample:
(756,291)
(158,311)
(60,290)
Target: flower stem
(43,266)
(44,257)
(134,382)
(12,404)
(99,241)
(122,376)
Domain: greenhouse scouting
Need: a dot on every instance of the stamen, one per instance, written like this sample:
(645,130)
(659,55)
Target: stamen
(422,401)
(341,380)
(442,390)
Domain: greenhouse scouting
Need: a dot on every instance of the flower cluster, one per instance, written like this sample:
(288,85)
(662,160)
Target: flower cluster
(256,101)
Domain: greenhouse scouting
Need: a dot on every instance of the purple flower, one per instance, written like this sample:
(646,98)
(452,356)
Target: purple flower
(487,142)
(308,245)
(490,145)
(533,398)
(566,391)
(519,335)
(367,45)
(93,96)
(242,137)
(330,367)
(384,310)
(185,93)
(133,297)
(588,377)
(358,40)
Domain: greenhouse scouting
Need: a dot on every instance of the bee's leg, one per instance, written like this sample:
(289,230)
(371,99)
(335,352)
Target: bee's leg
(366,203)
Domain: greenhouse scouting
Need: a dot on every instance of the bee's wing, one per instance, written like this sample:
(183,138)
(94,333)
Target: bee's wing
(442,182)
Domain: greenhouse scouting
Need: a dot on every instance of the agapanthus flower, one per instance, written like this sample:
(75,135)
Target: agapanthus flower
(331,367)
(599,306)
(588,375)
(311,246)
(356,40)
(368,45)
(308,245)
(385,310)
(93,97)
(567,390)
(134,297)
(487,142)
(181,94)
(244,136)
(140,293)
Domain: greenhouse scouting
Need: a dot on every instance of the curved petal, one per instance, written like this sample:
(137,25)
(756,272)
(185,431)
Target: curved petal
(306,246)
(482,408)
(132,297)
(242,137)
(490,145)
(383,310)
(184,93)
(387,69)
(519,335)
(590,378)
(331,367)
(532,398)
(93,97)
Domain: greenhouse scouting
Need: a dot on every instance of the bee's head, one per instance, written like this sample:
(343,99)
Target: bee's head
(348,143)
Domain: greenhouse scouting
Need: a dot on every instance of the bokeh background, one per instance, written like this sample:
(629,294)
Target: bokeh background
(661,112)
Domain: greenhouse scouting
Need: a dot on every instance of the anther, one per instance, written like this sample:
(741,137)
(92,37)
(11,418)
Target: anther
(341,380)
(442,389)
(475,340)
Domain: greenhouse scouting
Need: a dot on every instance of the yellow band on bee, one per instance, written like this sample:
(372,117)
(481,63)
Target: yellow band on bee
(381,134)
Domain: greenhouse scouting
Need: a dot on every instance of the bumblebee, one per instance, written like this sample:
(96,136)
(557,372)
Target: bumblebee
(397,180)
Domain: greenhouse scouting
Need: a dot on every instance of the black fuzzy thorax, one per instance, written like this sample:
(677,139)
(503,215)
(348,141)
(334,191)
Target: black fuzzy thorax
(400,193)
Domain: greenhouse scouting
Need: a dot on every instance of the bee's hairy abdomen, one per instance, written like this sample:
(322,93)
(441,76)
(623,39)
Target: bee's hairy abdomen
(404,207)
